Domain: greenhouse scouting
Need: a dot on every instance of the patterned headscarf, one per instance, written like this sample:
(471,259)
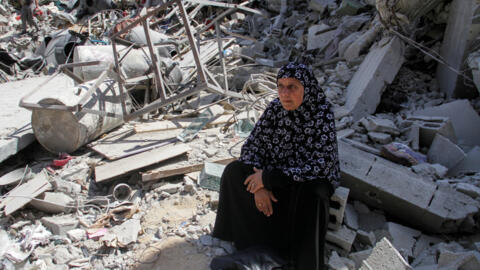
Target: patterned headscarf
(302,143)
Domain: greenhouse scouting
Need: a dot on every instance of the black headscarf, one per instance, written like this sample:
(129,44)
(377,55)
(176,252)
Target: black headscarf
(301,143)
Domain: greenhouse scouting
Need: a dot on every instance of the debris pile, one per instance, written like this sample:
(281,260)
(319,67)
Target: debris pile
(137,108)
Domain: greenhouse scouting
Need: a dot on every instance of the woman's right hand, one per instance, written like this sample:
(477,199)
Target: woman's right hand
(263,201)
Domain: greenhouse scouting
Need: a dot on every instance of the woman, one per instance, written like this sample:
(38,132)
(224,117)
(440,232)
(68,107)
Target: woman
(277,193)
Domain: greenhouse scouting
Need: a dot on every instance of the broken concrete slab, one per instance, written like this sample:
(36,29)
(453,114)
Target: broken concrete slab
(351,217)
(444,152)
(349,7)
(402,193)
(461,31)
(465,121)
(384,256)
(128,164)
(122,235)
(459,260)
(343,237)
(379,68)
(469,164)
(359,256)
(321,5)
(320,36)
(379,137)
(60,225)
(362,42)
(423,242)
(429,126)
(376,124)
(468,189)
(404,238)
(15,176)
(52,202)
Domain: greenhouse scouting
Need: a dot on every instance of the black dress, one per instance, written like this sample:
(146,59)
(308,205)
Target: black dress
(297,227)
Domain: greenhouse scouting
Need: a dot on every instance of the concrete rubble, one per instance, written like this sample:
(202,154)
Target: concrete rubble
(120,116)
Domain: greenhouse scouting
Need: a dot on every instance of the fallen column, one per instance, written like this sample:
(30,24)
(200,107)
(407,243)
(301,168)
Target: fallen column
(378,69)
(402,193)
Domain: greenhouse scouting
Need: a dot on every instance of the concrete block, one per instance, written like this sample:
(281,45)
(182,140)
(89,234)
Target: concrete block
(433,170)
(429,126)
(404,238)
(462,29)
(423,243)
(77,235)
(60,225)
(359,256)
(335,262)
(414,137)
(338,201)
(52,202)
(366,238)
(384,256)
(318,38)
(469,164)
(345,43)
(381,138)
(445,152)
(375,124)
(459,260)
(464,118)
(67,187)
(468,189)
(349,7)
(343,238)
(379,68)
(401,193)
(351,217)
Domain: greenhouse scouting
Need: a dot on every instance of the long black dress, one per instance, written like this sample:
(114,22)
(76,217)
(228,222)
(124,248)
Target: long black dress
(297,227)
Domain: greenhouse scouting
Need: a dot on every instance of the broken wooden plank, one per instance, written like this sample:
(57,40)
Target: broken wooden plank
(23,194)
(174,169)
(125,165)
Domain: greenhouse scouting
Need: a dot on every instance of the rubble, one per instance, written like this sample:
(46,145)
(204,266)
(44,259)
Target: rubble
(151,101)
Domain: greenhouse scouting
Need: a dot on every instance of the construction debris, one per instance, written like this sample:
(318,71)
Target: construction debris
(140,106)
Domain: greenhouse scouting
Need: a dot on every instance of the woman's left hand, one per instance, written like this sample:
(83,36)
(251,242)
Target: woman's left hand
(254,181)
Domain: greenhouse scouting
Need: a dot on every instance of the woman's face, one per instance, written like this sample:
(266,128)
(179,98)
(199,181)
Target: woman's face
(290,92)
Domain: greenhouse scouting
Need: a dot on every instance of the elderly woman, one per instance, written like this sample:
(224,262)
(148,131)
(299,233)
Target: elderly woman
(277,193)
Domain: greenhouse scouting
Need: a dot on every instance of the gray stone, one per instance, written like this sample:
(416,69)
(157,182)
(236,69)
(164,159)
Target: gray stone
(465,121)
(375,124)
(366,238)
(189,186)
(469,189)
(318,38)
(445,152)
(378,69)
(169,188)
(384,256)
(342,237)
(60,225)
(469,164)
(381,138)
(404,238)
(351,217)
(359,256)
(395,189)
(335,262)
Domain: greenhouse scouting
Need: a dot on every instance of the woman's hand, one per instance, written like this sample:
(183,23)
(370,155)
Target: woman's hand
(263,201)
(254,181)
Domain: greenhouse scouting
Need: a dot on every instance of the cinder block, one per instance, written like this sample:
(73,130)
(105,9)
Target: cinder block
(343,238)
(445,152)
(429,126)
(338,202)
(384,256)
(60,225)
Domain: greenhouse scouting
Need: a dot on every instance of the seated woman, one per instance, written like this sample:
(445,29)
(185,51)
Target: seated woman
(277,194)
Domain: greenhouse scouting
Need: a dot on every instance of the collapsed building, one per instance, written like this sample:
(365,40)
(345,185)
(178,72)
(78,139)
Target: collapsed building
(142,106)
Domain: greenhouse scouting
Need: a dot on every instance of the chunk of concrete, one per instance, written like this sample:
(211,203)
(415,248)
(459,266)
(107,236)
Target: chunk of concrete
(351,217)
(366,238)
(429,126)
(122,235)
(376,124)
(60,225)
(384,256)
(77,235)
(401,193)
(433,170)
(445,152)
(371,221)
(465,121)
(349,7)
(359,256)
(462,29)
(469,189)
(362,43)
(459,260)
(404,238)
(338,201)
(379,69)
(343,237)
(335,262)
(319,37)
(469,164)
(320,5)
(379,137)
(424,242)
(52,202)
